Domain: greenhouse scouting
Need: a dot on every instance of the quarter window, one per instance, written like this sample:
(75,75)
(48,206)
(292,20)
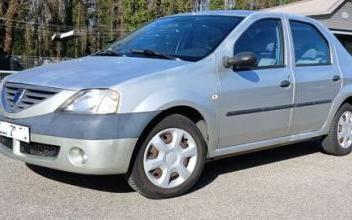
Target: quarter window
(265,39)
(311,48)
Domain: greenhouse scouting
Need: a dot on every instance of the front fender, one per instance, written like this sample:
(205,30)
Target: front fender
(191,85)
(171,98)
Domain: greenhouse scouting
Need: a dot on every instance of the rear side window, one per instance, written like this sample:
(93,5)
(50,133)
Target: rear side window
(311,48)
(265,39)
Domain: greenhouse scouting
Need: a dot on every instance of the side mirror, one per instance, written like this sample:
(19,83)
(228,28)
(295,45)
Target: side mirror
(241,61)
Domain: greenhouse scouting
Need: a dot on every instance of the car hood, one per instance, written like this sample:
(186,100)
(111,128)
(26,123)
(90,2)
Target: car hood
(92,72)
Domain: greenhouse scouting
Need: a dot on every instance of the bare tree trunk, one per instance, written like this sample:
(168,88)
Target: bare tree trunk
(1,8)
(27,39)
(2,31)
(10,15)
(201,5)
(77,24)
(229,4)
(158,7)
(112,20)
(120,15)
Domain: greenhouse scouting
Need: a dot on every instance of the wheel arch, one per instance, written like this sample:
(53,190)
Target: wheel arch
(344,96)
(347,100)
(187,111)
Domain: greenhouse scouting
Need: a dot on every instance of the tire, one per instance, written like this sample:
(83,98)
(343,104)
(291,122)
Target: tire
(334,143)
(159,183)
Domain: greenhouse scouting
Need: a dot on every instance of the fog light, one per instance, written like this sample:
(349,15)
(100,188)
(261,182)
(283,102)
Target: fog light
(77,156)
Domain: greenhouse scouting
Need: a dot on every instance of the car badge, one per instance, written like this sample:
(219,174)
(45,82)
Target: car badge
(18,96)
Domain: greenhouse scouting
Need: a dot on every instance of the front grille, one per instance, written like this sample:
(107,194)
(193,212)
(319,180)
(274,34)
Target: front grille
(18,97)
(33,148)
(7,142)
(38,149)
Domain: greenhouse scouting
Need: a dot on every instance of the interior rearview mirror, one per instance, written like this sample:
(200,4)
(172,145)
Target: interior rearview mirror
(241,61)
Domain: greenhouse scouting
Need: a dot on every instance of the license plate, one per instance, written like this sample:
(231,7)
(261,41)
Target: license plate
(17,132)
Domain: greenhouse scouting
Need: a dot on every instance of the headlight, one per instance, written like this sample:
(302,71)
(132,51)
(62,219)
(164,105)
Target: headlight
(94,101)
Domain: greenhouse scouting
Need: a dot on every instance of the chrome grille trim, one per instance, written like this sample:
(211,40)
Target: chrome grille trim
(29,96)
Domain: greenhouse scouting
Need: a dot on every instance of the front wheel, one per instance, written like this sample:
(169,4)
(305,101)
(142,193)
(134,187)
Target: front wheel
(170,160)
(339,140)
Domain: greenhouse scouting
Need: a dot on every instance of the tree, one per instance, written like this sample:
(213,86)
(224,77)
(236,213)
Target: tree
(29,24)
(12,8)
(217,4)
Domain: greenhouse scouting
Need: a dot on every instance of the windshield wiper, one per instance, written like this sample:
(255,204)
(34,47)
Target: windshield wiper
(108,53)
(149,52)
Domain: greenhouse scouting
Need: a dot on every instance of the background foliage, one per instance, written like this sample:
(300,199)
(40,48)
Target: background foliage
(26,26)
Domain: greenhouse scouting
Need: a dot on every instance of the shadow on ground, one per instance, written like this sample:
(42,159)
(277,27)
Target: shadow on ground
(117,183)
(232,164)
(108,183)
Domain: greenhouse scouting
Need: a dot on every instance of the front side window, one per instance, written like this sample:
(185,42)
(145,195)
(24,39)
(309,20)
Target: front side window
(188,38)
(265,39)
(311,48)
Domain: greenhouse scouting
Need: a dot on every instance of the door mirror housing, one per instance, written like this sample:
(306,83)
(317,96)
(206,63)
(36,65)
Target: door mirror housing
(241,61)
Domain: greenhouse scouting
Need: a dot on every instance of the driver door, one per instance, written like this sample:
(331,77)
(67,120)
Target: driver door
(255,103)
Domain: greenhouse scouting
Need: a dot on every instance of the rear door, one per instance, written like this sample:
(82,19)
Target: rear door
(317,77)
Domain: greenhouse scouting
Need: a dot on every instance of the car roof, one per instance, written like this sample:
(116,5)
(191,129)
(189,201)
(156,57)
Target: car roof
(236,13)
(241,13)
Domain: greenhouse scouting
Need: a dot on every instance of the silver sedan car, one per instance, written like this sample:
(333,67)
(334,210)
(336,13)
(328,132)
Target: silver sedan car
(182,90)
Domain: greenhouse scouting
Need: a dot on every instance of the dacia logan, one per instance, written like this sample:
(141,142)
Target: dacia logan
(184,89)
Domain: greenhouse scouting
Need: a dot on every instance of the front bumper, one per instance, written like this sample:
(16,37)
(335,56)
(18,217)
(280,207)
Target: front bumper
(103,156)
(108,141)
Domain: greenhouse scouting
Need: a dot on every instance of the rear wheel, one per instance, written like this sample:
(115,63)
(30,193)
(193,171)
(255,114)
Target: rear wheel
(170,159)
(339,140)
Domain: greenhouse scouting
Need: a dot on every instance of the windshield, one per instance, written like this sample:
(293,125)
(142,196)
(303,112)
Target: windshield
(188,38)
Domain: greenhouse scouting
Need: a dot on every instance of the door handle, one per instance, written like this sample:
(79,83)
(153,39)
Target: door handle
(336,78)
(285,84)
